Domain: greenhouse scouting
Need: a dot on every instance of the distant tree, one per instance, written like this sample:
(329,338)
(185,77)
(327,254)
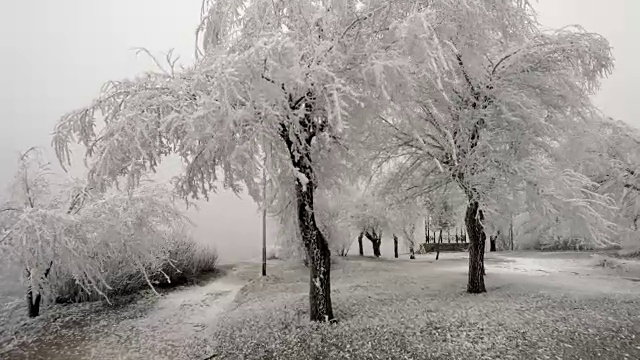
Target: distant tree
(402,215)
(334,220)
(395,246)
(369,214)
(360,247)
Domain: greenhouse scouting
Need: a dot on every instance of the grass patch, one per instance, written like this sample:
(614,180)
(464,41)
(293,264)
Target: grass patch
(419,310)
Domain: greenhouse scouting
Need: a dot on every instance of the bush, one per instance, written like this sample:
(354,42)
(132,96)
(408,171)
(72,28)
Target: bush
(185,262)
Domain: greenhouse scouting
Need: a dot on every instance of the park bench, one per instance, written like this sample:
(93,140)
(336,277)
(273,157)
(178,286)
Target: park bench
(426,248)
(448,243)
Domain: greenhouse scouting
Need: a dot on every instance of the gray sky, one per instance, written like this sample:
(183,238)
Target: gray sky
(57,54)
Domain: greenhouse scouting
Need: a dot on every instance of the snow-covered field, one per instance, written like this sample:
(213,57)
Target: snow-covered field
(538,306)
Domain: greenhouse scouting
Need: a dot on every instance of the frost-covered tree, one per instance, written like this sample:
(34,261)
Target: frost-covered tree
(608,153)
(32,225)
(295,76)
(493,105)
(402,214)
(370,216)
(334,220)
(59,231)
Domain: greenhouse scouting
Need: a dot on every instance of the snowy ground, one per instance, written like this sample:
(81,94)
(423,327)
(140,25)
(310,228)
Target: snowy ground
(538,306)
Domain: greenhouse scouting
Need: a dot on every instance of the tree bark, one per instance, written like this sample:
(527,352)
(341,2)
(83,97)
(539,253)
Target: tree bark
(492,243)
(376,248)
(360,248)
(33,304)
(395,246)
(412,254)
(477,238)
(318,254)
(376,241)
(316,246)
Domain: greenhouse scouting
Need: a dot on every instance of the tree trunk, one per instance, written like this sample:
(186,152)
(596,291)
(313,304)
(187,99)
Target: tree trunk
(438,242)
(426,229)
(376,241)
(376,248)
(318,253)
(412,254)
(360,248)
(475,230)
(492,243)
(33,305)
(395,246)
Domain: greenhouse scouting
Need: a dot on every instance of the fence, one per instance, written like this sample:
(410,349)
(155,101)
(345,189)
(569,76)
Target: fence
(459,236)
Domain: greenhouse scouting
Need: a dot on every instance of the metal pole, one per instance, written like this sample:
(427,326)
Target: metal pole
(511,233)
(264,216)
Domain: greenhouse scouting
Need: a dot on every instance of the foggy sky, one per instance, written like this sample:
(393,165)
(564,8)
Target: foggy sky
(55,55)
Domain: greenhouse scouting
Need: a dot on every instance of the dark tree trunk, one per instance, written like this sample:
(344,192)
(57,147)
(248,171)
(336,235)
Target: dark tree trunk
(395,246)
(318,254)
(33,304)
(493,241)
(316,246)
(376,241)
(426,228)
(360,248)
(476,248)
(412,254)
(376,248)
(438,242)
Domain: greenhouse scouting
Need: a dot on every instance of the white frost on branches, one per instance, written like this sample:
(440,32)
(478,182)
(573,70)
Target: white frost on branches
(68,231)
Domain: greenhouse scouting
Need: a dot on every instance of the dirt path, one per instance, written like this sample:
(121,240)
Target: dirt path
(173,327)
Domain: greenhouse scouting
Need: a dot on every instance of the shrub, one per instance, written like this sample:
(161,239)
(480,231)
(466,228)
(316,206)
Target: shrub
(185,262)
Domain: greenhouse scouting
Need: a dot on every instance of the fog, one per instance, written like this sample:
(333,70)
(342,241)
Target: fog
(57,54)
